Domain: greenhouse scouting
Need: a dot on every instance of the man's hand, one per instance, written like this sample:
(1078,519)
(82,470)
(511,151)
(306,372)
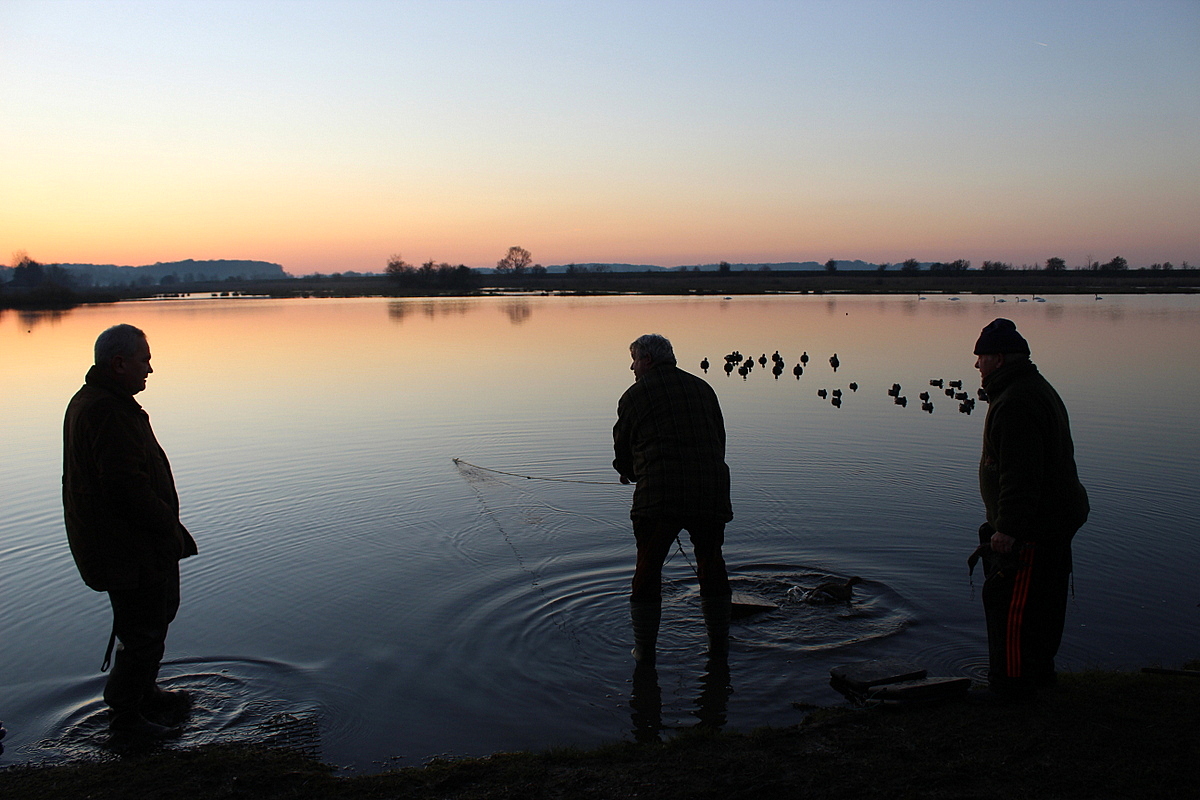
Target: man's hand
(1002,542)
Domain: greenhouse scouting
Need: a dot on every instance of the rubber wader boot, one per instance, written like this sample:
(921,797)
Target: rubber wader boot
(645,615)
(716,620)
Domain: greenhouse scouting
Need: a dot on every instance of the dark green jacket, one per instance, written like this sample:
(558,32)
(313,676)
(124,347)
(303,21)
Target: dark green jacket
(119,500)
(1027,475)
(670,440)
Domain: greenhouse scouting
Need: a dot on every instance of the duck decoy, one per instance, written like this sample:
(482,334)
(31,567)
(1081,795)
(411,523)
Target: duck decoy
(821,393)
(832,591)
(938,382)
(927,406)
(704,365)
(762,360)
(924,396)
(853,386)
(901,401)
(797,371)
(804,358)
(955,384)
(833,362)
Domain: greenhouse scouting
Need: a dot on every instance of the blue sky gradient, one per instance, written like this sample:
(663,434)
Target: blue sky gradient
(328,135)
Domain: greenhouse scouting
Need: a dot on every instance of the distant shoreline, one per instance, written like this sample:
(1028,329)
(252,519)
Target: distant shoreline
(1011,282)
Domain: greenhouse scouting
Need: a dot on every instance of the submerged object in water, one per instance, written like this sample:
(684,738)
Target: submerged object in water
(827,592)
(895,683)
(744,605)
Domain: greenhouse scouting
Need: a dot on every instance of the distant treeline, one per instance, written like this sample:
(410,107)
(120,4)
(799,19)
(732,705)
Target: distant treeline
(32,285)
(27,273)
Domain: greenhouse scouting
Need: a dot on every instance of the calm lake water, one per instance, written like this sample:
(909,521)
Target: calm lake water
(359,592)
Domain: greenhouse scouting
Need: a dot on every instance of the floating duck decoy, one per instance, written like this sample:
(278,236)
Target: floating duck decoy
(949,391)
(955,384)
(777,370)
(833,362)
(966,407)
(924,396)
(960,396)
(927,406)
(728,367)
(836,392)
(853,386)
(894,391)
(821,393)
(744,370)
(938,382)
(762,360)
(704,365)
(804,358)
(831,591)
(901,401)
(836,401)
(778,359)
(797,371)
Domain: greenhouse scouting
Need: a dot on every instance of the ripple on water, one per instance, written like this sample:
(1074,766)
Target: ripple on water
(233,700)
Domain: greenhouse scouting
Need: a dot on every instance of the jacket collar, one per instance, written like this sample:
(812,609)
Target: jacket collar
(1004,377)
(100,379)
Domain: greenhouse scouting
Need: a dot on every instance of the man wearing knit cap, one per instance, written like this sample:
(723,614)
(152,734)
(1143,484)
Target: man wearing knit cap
(1035,504)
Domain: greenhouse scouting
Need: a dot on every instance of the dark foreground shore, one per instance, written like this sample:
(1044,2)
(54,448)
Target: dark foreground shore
(1099,735)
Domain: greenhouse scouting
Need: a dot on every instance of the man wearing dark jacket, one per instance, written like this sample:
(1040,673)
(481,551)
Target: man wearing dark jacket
(670,440)
(122,519)
(1035,504)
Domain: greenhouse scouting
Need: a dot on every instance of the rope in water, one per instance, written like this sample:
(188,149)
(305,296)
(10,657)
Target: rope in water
(568,480)
(534,477)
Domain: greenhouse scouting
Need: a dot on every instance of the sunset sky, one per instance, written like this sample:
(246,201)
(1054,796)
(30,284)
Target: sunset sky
(326,136)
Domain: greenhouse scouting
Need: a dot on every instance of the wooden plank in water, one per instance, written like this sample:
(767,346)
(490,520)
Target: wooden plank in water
(926,690)
(744,605)
(862,675)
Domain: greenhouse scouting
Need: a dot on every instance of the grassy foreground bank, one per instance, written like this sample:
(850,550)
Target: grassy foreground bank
(1100,735)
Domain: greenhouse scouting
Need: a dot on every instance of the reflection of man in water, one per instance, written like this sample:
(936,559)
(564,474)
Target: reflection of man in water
(1035,504)
(670,440)
(122,519)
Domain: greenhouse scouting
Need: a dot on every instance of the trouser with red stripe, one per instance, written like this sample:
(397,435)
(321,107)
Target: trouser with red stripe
(1025,604)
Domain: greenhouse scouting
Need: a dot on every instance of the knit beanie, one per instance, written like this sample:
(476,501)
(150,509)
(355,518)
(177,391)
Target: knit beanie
(1000,336)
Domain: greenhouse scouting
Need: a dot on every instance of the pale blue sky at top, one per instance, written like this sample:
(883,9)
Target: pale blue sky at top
(327,135)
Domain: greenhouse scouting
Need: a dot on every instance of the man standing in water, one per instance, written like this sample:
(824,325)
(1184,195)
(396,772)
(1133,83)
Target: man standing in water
(1035,504)
(670,441)
(122,520)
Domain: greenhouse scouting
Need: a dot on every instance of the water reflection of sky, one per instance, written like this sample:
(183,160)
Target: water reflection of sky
(312,442)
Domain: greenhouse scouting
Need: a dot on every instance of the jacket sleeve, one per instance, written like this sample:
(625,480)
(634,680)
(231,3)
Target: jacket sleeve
(1018,442)
(623,441)
(133,474)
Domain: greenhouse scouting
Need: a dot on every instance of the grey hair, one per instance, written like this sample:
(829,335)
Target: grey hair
(119,340)
(655,347)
